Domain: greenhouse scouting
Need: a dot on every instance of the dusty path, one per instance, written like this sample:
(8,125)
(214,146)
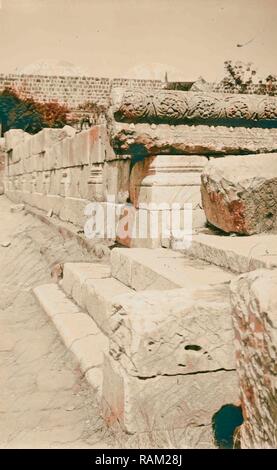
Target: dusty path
(44,401)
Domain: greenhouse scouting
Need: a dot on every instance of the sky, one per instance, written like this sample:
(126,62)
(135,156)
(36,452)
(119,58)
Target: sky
(118,38)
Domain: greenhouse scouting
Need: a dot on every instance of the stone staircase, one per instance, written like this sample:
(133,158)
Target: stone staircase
(152,331)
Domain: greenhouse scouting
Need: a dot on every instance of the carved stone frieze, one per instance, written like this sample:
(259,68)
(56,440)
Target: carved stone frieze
(170,106)
(145,139)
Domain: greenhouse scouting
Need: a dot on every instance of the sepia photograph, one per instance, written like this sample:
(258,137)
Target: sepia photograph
(138,228)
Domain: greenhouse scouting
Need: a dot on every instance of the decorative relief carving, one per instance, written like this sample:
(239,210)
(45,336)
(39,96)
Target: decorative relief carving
(179,106)
(144,139)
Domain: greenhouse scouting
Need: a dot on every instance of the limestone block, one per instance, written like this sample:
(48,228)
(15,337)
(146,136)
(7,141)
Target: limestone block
(57,151)
(65,182)
(27,182)
(239,193)
(53,203)
(254,302)
(93,175)
(116,176)
(49,159)
(148,140)
(74,175)
(33,181)
(40,161)
(167,179)
(26,146)
(76,274)
(97,136)
(99,297)
(181,106)
(14,137)
(74,327)
(90,351)
(184,402)
(46,182)
(72,211)
(148,226)
(236,254)
(55,180)
(79,148)
(159,269)
(179,331)
(17,153)
(45,139)
(65,144)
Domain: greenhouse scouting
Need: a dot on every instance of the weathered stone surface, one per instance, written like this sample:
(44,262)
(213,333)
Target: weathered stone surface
(179,331)
(77,330)
(45,139)
(167,179)
(14,137)
(182,402)
(146,139)
(76,274)
(236,254)
(254,300)
(99,296)
(116,175)
(159,269)
(239,194)
(180,106)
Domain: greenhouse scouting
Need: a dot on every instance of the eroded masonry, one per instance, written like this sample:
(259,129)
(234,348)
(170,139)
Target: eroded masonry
(171,333)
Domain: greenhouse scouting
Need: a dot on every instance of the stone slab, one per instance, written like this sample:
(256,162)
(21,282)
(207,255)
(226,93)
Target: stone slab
(178,331)
(75,275)
(146,140)
(237,254)
(239,196)
(142,268)
(254,301)
(184,402)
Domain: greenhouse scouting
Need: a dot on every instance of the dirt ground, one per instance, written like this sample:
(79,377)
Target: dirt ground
(44,401)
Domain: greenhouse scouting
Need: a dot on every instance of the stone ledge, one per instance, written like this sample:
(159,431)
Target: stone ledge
(181,106)
(162,269)
(77,330)
(237,254)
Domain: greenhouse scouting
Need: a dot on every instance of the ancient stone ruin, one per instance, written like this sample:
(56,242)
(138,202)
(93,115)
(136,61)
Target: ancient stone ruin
(174,327)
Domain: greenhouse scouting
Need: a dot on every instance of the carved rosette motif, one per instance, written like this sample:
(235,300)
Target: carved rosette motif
(177,107)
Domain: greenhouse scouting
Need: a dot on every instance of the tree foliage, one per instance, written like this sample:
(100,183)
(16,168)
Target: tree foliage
(25,113)
(239,78)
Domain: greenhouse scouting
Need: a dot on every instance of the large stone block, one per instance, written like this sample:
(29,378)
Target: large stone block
(183,403)
(73,210)
(179,331)
(159,269)
(178,106)
(239,194)
(167,179)
(14,137)
(45,139)
(94,176)
(116,176)
(254,301)
(146,140)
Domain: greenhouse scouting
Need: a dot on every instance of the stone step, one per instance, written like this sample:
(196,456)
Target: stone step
(78,331)
(237,254)
(91,286)
(162,269)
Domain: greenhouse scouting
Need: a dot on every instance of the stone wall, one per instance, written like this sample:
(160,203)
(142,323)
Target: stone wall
(72,91)
(60,171)
(150,153)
